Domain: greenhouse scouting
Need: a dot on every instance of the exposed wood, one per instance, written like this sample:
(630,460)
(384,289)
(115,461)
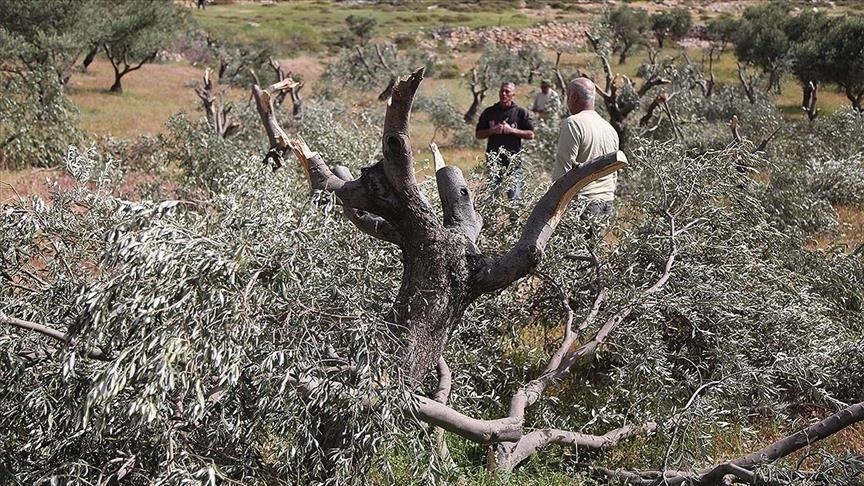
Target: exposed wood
(808,104)
(456,201)
(92,353)
(748,83)
(479,86)
(217,113)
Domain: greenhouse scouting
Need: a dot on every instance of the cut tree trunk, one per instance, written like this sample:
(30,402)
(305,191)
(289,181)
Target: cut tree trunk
(444,270)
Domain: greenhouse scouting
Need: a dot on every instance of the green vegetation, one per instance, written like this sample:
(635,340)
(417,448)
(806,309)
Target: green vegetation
(218,322)
(309,26)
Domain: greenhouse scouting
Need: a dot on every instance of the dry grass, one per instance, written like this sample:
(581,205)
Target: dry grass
(150,96)
(738,443)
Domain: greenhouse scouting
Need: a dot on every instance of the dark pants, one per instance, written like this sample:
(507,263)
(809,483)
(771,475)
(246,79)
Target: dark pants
(597,209)
(500,167)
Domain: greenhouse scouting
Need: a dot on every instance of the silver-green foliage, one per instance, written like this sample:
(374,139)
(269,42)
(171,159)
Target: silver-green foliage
(36,120)
(215,311)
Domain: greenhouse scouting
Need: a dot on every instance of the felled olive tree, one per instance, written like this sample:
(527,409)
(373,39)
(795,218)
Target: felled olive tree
(246,336)
(440,256)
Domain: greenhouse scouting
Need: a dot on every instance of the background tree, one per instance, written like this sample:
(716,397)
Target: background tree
(36,119)
(628,26)
(761,41)
(132,32)
(844,64)
(363,28)
(810,65)
(40,36)
(674,23)
(722,30)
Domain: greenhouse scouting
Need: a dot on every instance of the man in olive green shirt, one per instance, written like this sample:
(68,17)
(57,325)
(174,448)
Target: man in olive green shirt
(583,136)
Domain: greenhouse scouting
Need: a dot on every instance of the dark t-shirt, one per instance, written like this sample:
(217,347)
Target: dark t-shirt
(515,116)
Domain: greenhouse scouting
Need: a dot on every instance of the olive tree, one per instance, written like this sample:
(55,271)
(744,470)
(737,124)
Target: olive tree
(674,23)
(760,40)
(250,335)
(36,119)
(131,33)
(629,26)
(41,36)
(842,46)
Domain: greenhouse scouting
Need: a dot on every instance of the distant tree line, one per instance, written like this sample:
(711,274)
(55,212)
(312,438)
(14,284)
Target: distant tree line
(815,48)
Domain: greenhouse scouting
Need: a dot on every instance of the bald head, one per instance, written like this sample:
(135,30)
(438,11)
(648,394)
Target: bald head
(580,95)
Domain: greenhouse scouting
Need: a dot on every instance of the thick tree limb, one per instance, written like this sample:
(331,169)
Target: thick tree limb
(417,215)
(650,83)
(475,430)
(398,162)
(534,441)
(445,382)
(528,251)
(743,468)
(93,353)
(456,201)
(371,224)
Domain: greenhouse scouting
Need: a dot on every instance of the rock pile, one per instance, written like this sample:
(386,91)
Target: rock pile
(552,35)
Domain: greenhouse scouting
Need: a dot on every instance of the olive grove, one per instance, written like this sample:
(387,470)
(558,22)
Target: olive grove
(243,329)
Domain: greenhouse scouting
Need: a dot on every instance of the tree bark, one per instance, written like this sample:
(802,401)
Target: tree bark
(444,271)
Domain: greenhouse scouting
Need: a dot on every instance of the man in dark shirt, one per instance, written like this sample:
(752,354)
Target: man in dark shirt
(504,125)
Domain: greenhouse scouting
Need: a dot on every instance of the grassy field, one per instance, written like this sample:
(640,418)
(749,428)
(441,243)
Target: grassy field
(150,95)
(310,25)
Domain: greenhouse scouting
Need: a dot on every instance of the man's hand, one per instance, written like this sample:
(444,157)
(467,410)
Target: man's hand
(503,128)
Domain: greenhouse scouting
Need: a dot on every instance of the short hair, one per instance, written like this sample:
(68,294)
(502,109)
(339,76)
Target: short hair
(584,87)
(510,83)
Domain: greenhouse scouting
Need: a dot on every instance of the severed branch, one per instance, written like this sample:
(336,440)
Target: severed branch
(649,112)
(217,113)
(652,82)
(456,201)
(733,125)
(479,86)
(810,90)
(664,102)
(748,83)
(765,141)
(93,353)
(743,468)
(293,89)
(350,193)
(528,251)
(369,223)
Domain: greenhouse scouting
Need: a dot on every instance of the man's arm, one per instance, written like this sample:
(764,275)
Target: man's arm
(484,121)
(523,134)
(488,132)
(569,138)
(524,128)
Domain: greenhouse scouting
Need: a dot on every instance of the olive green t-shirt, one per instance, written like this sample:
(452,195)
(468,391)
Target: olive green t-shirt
(582,137)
